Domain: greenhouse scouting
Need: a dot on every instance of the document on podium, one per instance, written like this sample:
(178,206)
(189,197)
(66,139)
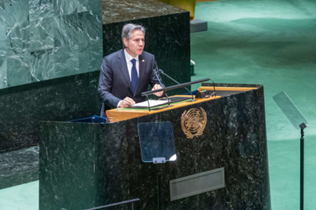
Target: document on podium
(152,103)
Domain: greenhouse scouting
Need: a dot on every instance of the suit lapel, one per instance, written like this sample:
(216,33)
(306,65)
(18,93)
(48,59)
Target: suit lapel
(123,68)
(142,65)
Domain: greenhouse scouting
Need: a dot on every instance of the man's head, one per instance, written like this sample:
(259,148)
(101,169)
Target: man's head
(133,37)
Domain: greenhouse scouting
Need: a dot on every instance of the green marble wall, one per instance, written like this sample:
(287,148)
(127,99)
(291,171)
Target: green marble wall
(46,39)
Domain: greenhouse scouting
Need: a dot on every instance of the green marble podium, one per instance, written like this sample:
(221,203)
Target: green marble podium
(86,165)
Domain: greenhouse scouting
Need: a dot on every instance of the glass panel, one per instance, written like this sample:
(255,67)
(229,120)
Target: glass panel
(156,141)
(289,109)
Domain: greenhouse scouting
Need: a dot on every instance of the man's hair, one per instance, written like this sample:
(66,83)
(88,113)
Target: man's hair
(128,29)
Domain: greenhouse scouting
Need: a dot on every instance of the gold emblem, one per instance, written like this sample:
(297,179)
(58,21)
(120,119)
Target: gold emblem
(193,122)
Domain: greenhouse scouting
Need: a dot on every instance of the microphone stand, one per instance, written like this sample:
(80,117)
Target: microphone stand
(214,93)
(161,71)
(172,87)
(302,126)
(160,82)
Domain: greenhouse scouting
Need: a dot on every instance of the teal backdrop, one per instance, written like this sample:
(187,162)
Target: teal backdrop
(47,39)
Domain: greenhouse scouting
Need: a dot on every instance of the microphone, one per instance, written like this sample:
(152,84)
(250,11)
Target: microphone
(156,71)
(161,71)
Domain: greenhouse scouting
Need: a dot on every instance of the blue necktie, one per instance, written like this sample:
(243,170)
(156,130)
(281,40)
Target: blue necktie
(134,75)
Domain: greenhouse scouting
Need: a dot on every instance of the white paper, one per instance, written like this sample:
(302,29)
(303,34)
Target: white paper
(152,103)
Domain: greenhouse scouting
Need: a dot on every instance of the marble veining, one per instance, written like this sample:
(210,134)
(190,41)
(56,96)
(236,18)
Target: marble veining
(3,64)
(23,107)
(66,7)
(234,138)
(18,39)
(66,57)
(42,34)
(124,10)
(19,167)
(36,35)
(80,171)
(15,11)
(41,9)
(19,69)
(90,41)
(42,59)
(68,24)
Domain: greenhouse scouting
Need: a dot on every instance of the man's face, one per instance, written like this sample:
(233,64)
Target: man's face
(135,45)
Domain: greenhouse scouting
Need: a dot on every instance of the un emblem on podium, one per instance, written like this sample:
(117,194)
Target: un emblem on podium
(193,122)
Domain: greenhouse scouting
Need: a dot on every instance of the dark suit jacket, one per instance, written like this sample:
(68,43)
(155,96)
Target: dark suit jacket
(114,81)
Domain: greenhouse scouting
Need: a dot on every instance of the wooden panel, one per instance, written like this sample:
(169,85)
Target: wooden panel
(120,114)
(227,88)
(116,115)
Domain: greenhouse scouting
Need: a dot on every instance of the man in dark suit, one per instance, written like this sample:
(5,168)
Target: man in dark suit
(127,73)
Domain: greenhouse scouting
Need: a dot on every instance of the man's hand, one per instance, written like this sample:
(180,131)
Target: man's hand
(127,102)
(156,87)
